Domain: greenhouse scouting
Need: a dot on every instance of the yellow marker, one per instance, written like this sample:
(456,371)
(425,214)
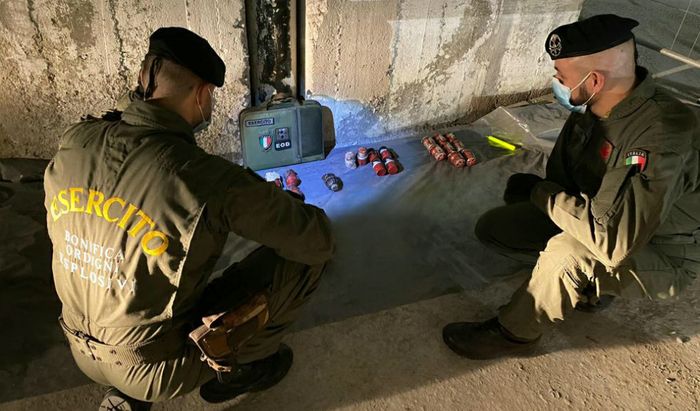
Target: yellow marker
(500,143)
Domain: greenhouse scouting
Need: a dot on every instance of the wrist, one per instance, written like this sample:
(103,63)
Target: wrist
(542,192)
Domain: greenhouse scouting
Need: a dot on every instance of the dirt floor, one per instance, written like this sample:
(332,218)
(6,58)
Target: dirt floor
(635,355)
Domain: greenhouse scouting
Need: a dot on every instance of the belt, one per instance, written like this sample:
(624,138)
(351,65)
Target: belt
(152,351)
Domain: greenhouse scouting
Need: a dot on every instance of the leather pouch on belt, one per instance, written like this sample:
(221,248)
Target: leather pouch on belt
(222,334)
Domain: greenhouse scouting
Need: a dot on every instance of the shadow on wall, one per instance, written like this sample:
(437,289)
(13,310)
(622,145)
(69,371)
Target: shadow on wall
(329,140)
(359,122)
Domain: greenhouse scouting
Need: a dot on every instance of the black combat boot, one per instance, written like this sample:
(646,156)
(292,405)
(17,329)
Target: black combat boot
(115,400)
(255,376)
(595,303)
(486,340)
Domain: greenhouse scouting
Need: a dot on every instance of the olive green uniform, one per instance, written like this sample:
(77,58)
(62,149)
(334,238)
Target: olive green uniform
(138,216)
(607,222)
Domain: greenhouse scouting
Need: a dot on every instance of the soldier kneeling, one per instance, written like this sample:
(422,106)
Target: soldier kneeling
(138,216)
(618,213)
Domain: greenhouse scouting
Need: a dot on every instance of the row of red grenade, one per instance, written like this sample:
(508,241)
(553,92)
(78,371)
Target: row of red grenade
(383,161)
(449,147)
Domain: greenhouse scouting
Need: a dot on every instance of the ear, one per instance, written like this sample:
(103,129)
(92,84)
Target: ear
(142,77)
(142,80)
(202,93)
(143,72)
(598,81)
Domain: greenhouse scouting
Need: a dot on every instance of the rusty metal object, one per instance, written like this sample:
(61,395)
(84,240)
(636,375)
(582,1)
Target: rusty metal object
(453,155)
(332,182)
(377,163)
(433,148)
(362,156)
(292,178)
(350,161)
(392,167)
(466,153)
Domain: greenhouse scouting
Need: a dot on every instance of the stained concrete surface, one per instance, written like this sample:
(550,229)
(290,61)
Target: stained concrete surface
(62,59)
(272,39)
(385,68)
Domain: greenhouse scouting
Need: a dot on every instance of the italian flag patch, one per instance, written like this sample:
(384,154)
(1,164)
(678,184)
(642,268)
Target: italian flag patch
(636,158)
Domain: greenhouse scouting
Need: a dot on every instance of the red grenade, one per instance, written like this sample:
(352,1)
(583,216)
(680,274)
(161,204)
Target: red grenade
(389,161)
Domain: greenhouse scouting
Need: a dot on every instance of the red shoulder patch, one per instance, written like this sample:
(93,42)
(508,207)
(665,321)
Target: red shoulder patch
(605,150)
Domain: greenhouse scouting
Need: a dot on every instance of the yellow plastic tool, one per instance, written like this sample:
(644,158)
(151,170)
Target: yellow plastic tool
(500,143)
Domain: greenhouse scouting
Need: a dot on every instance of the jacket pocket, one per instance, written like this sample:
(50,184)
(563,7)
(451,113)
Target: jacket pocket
(609,197)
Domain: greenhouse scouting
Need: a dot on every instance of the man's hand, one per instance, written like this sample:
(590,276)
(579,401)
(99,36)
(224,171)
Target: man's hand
(519,186)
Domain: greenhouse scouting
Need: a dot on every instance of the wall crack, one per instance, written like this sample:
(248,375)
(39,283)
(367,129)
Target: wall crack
(123,70)
(39,40)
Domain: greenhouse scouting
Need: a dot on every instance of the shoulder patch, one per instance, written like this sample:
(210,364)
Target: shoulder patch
(605,150)
(637,158)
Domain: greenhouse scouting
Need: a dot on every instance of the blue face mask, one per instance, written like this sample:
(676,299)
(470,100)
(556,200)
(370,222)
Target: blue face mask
(563,95)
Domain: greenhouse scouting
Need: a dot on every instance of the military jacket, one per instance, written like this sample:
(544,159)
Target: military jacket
(621,182)
(138,216)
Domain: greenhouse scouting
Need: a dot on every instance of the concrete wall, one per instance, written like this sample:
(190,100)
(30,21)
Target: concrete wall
(60,59)
(387,67)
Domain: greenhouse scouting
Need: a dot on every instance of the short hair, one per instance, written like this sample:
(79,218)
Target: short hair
(170,78)
(616,62)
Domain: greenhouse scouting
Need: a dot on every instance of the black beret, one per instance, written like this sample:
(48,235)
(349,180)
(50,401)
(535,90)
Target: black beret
(188,50)
(589,36)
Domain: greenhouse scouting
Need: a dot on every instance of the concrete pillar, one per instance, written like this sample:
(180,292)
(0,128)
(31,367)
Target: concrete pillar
(65,58)
(389,68)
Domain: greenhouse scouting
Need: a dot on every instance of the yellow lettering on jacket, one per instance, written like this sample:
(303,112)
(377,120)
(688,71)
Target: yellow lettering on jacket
(75,200)
(108,204)
(153,235)
(139,226)
(63,200)
(129,212)
(95,198)
(153,242)
(55,212)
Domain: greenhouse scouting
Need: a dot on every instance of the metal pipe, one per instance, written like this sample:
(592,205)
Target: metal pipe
(301,50)
(670,53)
(251,28)
(674,70)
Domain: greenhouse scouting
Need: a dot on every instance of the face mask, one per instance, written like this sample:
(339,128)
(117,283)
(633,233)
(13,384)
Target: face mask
(205,123)
(563,95)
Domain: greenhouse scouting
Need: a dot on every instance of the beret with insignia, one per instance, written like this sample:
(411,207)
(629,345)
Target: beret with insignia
(188,50)
(589,36)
